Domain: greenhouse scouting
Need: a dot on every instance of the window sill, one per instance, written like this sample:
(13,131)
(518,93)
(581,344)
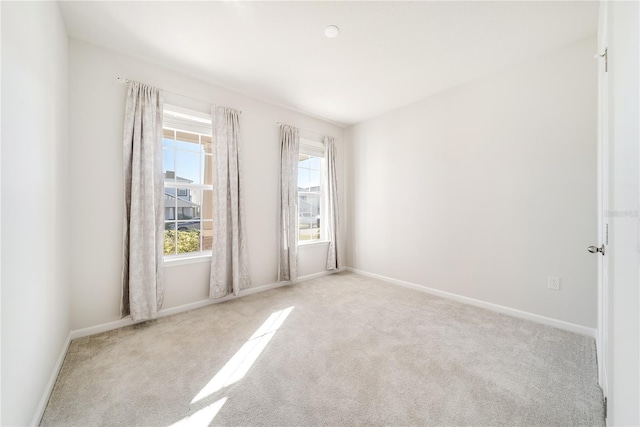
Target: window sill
(313,244)
(186,259)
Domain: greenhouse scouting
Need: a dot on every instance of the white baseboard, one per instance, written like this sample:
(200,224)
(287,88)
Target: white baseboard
(42,405)
(560,324)
(104,327)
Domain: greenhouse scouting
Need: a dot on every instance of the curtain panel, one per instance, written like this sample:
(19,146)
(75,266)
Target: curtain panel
(288,205)
(143,226)
(334,256)
(229,261)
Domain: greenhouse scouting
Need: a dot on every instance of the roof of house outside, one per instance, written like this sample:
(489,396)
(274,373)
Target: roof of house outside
(172,175)
(170,202)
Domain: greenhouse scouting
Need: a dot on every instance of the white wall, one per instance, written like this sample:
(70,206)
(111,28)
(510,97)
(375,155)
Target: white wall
(96,105)
(624,103)
(486,189)
(35,203)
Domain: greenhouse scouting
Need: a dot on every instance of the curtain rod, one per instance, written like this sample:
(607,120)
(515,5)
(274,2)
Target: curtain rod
(306,130)
(127,81)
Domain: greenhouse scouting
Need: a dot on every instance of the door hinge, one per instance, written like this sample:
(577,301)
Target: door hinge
(605,408)
(606,234)
(605,55)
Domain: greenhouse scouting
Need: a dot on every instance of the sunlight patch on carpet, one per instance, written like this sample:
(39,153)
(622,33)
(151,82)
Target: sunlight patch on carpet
(238,366)
(203,417)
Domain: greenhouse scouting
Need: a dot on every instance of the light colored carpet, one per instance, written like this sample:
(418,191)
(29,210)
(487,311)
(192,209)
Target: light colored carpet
(352,351)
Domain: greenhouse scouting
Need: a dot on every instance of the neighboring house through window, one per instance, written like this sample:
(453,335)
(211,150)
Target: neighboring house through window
(188,186)
(311,173)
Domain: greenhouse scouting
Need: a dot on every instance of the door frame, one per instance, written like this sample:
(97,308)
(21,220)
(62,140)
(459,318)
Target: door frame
(603,184)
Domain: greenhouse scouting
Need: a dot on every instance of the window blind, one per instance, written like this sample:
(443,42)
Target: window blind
(311,148)
(186,120)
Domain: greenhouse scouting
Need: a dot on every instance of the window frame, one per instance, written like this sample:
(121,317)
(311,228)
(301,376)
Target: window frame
(177,119)
(312,148)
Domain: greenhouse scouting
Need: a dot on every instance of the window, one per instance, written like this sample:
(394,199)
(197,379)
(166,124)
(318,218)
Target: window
(188,189)
(310,191)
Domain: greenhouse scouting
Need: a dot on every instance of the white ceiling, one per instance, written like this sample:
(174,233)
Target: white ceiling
(388,54)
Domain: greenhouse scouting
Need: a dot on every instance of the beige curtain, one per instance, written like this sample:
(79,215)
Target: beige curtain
(229,262)
(288,201)
(334,257)
(143,228)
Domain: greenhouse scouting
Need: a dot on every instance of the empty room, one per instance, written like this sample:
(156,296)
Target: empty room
(320,213)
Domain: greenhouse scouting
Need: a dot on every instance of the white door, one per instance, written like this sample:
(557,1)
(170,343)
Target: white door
(604,359)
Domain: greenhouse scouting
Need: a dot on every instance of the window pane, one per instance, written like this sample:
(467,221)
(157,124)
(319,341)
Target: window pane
(189,205)
(314,163)
(303,206)
(312,204)
(169,164)
(188,141)
(170,203)
(188,236)
(304,235)
(187,202)
(169,239)
(315,233)
(167,141)
(188,240)
(169,210)
(308,217)
(303,179)
(188,167)
(314,181)
(196,200)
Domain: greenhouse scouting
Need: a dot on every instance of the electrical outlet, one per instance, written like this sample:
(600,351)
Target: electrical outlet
(553,283)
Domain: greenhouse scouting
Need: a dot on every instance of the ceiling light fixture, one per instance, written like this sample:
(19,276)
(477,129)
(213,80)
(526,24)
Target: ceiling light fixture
(331,31)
